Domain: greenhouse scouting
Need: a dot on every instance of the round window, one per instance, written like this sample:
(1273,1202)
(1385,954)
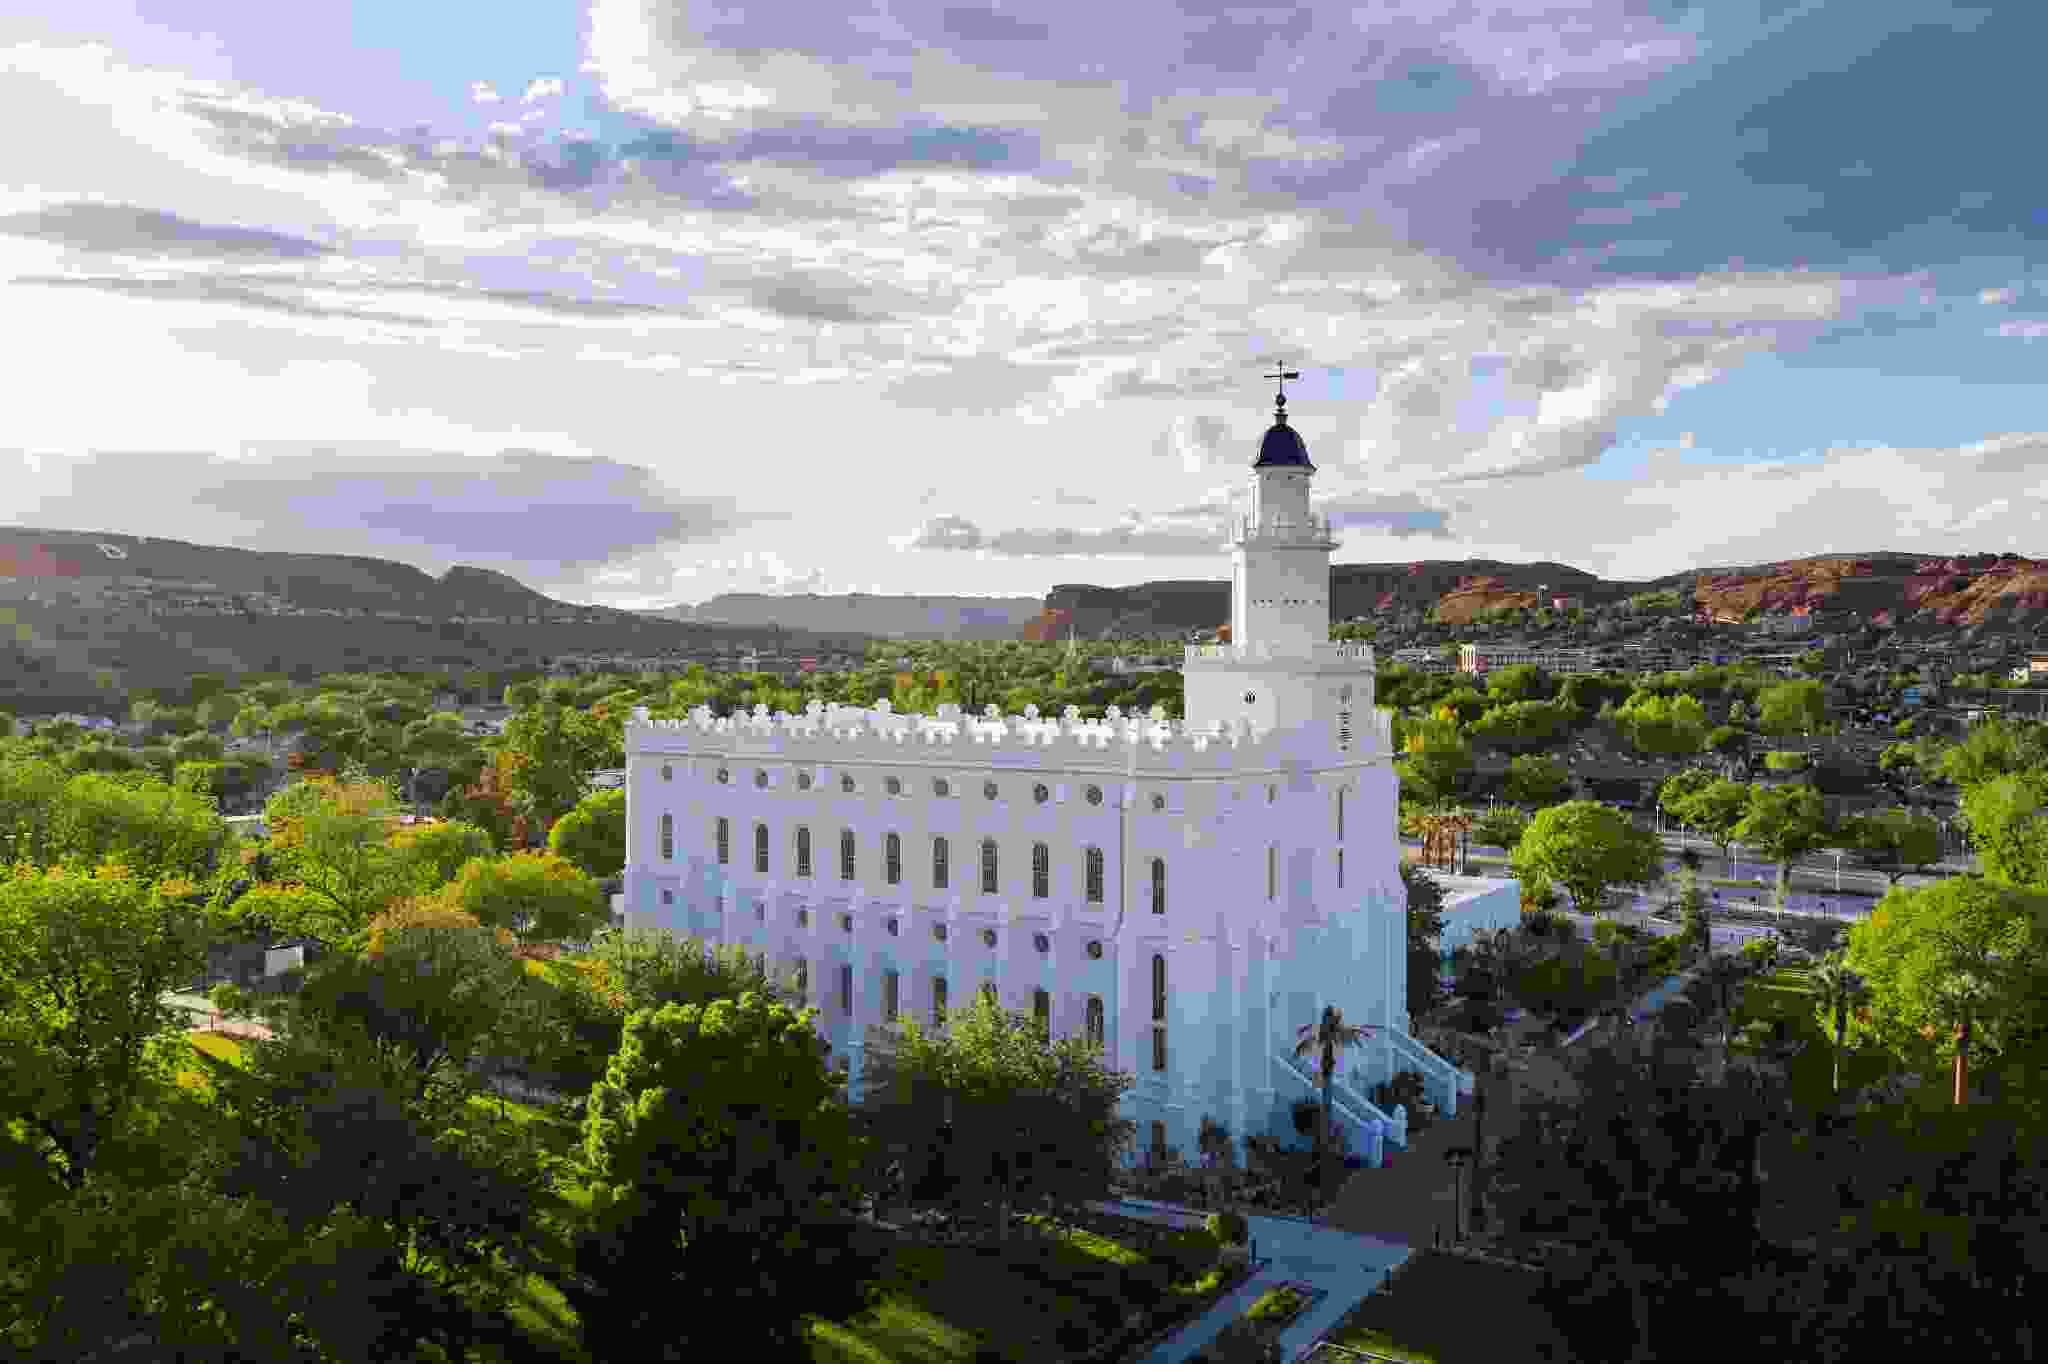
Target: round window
(1040,794)
(760,778)
(942,787)
(1095,795)
(846,783)
(895,786)
(1158,801)
(939,932)
(1095,950)
(988,788)
(803,781)
(724,776)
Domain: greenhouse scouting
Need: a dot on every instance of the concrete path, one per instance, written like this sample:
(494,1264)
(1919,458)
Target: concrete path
(1342,1265)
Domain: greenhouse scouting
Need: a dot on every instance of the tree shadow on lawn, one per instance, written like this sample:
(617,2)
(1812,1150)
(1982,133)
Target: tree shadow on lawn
(1036,1299)
(1426,1311)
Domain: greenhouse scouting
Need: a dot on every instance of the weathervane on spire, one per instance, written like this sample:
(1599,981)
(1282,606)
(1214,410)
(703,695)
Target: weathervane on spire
(1282,374)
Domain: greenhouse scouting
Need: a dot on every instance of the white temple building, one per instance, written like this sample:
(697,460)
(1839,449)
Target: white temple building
(1187,893)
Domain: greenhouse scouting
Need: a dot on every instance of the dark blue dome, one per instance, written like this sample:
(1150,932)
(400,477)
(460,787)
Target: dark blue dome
(1283,449)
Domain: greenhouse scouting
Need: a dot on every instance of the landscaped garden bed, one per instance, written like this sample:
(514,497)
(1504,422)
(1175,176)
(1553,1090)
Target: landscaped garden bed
(1254,1338)
(1423,1312)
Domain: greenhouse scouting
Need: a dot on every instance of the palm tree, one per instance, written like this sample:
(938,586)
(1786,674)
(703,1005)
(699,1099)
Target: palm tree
(1324,1038)
(1694,901)
(1722,975)
(1840,990)
(1962,997)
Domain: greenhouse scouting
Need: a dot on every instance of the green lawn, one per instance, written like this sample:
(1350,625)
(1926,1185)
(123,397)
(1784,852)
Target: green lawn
(1787,994)
(1426,1315)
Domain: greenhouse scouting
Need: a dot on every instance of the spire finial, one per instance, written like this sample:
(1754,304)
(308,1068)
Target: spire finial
(1281,374)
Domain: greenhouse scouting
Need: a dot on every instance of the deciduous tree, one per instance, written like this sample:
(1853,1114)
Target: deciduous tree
(539,897)
(1783,822)
(593,835)
(1587,848)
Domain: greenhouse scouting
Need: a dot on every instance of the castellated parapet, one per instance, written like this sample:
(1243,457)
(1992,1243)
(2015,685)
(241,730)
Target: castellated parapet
(1152,744)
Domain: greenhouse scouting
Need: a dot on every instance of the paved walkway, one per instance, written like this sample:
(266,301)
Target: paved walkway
(1342,1265)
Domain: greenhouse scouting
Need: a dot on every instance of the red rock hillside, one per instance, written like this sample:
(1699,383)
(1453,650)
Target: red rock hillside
(1480,593)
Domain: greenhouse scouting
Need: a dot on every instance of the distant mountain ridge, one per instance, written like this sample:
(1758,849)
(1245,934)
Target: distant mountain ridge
(933,617)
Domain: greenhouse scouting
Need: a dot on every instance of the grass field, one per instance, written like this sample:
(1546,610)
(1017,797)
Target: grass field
(1426,1314)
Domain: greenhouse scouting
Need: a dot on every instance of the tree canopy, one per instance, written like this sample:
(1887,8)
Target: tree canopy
(1587,849)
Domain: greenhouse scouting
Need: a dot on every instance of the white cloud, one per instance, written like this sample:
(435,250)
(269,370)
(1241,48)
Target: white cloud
(545,87)
(482,92)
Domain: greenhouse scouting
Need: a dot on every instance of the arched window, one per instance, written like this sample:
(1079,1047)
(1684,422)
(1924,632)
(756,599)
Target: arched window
(1340,814)
(1159,885)
(892,857)
(988,866)
(1093,858)
(1340,869)
(803,850)
(668,838)
(803,981)
(892,985)
(939,851)
(846,988)
(1041,871)
(1272,871)
(938,1001)
(1041,1008)
(761,849)
(1158,1011)
(846,854)
(724,840)
(1095,1020)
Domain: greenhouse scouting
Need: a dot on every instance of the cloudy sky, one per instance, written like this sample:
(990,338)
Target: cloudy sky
(643,300)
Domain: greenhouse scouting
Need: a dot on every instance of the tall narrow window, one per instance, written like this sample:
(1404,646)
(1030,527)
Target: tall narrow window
(1093,859)
(988,866)
(1158,1011)
(846,988)
(803,981)
(892,858)
(1340,814)
(724,840)
(1041,871)
(761,849)
(803,850)
(938,1001)
(892,983)
(1041,1008)
(668,838)
(1158,1141)
(1159,885)
(939,851)
(846,854)
(1095,1020)
(1272,872)
(1340,869)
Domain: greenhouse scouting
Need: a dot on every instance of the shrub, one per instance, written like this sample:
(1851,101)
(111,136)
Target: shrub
(1283,1301)
(1785,762)
(1229,1228)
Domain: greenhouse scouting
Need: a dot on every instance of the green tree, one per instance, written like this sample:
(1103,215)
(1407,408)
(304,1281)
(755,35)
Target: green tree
(1663,725)
(1587,849)
(1716,811)
(1993,747)
(1839,990)
(331,841)
(1912,948)
(593,835)
(1522,725)
(1519,682)
(1533,780)
(1693,908)
(1435,757)
(2008,829)
(135,820)
(721,1162)
(437,852)
(220,712)
(85,959)
(1425,933)
(1322,1040)
(552,751)
(522,695)
(1783,822)
(1679,787)
(1023,1120)
(1501,827)
(1898,842)
(539,897)
(1813,663)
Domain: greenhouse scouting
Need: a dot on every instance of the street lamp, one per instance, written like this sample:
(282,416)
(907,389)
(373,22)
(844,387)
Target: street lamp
(1457,1157)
